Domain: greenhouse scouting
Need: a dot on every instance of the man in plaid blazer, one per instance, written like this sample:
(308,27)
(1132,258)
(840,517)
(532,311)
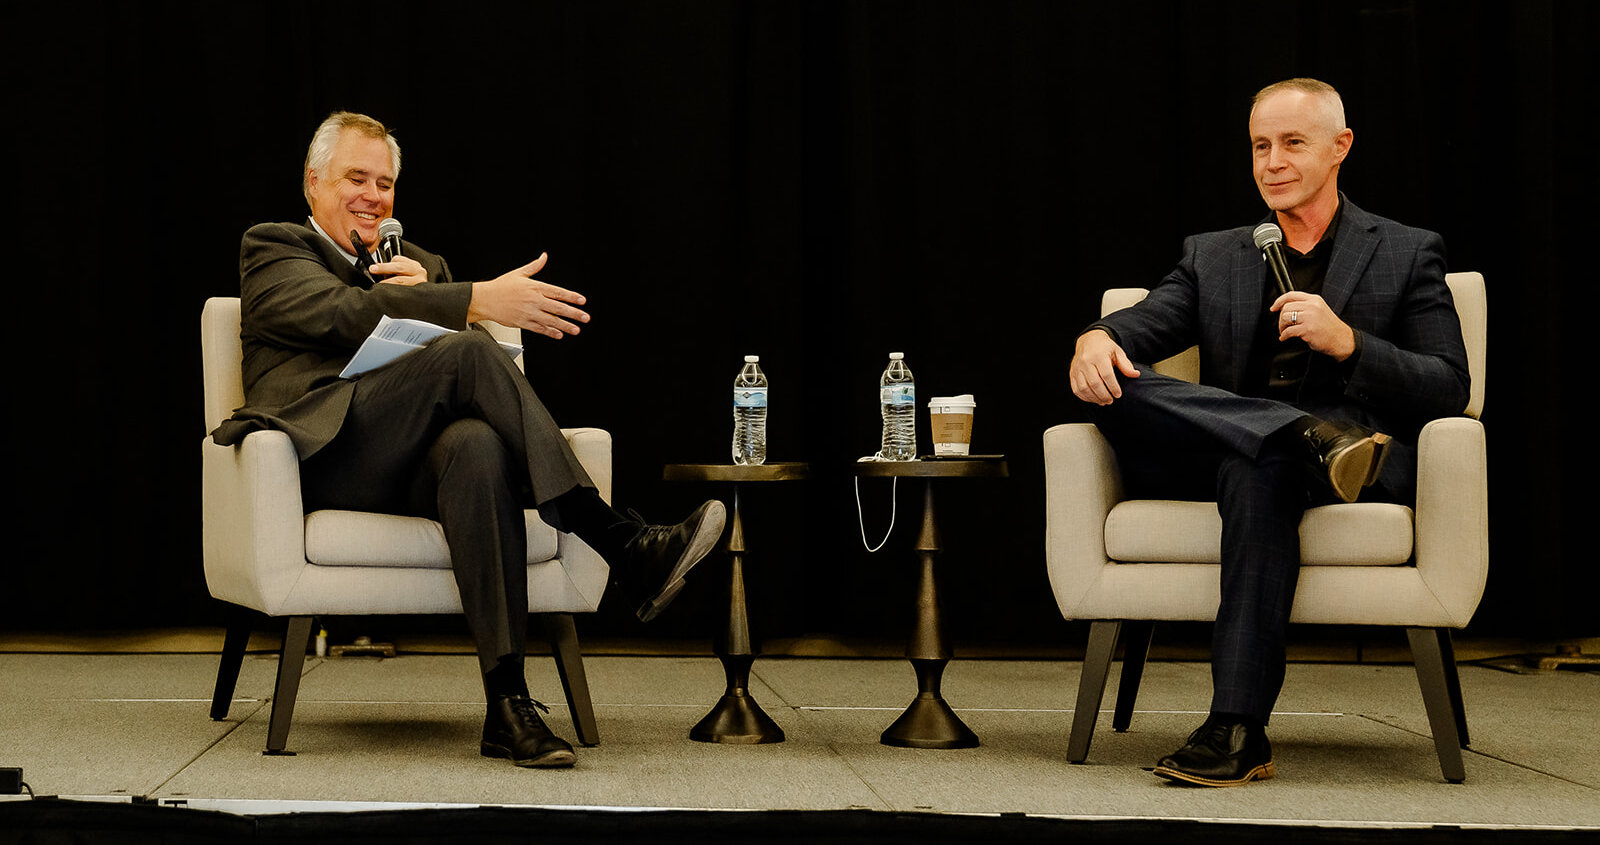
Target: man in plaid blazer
(1306,397)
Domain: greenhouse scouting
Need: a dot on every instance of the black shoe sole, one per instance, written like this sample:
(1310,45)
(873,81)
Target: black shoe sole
(1261,772)
(560,758)
(706,535)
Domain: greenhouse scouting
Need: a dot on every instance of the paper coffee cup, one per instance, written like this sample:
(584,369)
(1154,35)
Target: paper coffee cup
(951,424)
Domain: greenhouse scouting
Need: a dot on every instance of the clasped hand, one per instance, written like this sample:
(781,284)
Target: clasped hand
(399,270)
(1308,317)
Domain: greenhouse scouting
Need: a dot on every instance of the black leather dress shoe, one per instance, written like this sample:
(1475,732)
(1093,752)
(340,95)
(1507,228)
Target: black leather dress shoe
(514,729)
(1223,752)
(1351,454)
(663,554)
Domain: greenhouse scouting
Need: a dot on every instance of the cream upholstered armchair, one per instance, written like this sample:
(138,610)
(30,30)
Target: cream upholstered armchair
(263,552)
(1125,565)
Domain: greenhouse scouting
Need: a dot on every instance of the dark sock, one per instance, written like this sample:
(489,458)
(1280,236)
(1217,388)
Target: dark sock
(1237,717)
(506,678)
(1296,431)
(581,511)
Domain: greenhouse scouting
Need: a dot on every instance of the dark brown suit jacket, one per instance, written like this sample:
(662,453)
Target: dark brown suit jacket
(305,311)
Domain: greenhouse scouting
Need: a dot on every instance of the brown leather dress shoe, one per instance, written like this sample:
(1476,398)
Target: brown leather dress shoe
(1222,752)
(1351,454)
(514,729)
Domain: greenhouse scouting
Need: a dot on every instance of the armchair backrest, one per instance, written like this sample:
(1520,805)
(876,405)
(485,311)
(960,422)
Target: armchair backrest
(221,359)
(1471,307)
(506,334)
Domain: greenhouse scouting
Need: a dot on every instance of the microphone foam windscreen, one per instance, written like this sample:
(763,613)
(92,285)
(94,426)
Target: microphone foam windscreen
(1266,233)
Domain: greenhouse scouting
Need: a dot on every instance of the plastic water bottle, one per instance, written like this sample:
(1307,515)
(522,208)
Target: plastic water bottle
(750,414)
(897,396)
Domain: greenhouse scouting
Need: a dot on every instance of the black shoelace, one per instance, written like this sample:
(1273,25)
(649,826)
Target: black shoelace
(527,708)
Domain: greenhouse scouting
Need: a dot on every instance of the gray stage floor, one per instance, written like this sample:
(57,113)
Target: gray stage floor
(1351,740)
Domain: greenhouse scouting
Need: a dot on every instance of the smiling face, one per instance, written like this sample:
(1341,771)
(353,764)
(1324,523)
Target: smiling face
(1298,140)
(355,190)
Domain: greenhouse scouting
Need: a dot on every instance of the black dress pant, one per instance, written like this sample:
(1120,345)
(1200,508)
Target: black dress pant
(453,432)
(1177,440)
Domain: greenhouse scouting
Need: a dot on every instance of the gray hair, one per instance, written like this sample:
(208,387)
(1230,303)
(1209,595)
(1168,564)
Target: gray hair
(327,137)
(1332,103)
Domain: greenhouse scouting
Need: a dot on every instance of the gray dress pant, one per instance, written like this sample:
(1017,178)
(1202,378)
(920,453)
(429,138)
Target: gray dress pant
(454,432)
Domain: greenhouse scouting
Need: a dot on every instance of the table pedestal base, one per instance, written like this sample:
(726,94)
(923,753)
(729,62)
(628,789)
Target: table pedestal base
(929,722)
(737,719)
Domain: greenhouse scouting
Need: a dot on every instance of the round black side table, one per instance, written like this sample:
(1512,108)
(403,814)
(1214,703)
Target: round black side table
(929,722)
(736,718)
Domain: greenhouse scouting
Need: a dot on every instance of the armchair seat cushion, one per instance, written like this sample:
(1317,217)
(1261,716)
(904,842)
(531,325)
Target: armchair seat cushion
(1360,534)
(354,538)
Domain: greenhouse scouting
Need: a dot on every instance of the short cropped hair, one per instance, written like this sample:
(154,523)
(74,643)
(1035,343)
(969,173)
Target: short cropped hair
(327,136)
(1332,103)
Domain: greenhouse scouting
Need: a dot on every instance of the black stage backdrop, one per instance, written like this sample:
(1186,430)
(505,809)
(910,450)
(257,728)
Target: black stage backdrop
(819,183)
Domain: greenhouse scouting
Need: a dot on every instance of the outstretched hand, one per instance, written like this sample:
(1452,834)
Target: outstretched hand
(518,299)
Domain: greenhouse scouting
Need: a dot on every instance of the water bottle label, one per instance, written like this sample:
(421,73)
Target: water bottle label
(750,397)
(897,394)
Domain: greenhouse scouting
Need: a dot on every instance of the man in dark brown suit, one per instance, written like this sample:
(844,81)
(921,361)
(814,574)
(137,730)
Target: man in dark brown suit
(453,431)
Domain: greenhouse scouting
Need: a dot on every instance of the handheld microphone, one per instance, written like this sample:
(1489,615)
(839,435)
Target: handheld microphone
(1269,239)
(389,232)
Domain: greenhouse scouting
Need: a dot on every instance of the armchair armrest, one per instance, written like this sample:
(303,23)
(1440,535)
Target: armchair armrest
(252,519)
(1082,484)
(1452,533)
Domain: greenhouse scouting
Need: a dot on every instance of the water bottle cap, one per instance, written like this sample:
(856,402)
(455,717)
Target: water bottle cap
(752,359)
(895,356)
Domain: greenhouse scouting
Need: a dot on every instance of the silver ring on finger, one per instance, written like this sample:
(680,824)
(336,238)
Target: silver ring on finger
(1294,317)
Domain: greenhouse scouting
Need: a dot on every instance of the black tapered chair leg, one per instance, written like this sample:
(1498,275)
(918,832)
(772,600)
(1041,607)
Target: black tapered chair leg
(1452,679)
(291,662)
(1092,686)
(233,648)
(1136,637)
(564,646)
(1428,649)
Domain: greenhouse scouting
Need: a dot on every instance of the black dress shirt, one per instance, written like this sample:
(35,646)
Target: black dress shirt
(1288,370)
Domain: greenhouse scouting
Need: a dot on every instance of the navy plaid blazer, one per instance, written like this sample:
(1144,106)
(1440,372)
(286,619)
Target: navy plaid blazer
(1384,279)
